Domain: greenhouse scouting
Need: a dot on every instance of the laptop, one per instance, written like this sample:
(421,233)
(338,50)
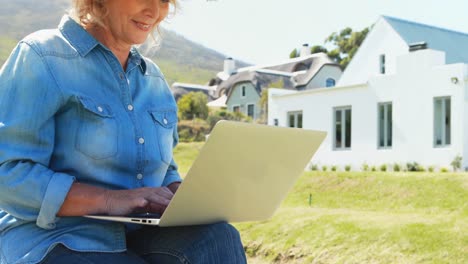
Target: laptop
(243,173)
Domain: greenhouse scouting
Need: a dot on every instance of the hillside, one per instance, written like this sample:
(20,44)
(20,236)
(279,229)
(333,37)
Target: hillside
(180,59)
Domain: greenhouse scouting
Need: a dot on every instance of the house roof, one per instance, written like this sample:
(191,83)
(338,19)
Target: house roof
(294,72)
(453,43)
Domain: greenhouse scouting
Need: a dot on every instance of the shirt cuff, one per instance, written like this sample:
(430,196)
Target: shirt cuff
(57,190)
(171,176)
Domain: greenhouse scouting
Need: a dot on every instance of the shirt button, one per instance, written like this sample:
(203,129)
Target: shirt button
(122,76)
(139,176)
(165,121)
(100,109)
(141,140)
(130,107)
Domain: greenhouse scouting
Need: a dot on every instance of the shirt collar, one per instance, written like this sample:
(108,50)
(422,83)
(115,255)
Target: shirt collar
(84,42)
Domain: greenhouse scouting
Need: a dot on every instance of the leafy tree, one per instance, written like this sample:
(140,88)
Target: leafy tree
(318,49)
(263,101)
(294,54)
(347,43)
(344,45)
(193,105)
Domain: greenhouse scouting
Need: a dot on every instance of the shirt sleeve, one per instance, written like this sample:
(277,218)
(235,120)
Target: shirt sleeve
(29,100)
(172,174)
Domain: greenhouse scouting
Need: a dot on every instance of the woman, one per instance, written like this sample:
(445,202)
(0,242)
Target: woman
(87,126)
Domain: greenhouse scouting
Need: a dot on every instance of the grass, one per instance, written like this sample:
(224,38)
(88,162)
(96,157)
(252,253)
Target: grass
(361,217)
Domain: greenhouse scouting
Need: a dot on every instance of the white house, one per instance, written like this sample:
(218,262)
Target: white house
(403,98)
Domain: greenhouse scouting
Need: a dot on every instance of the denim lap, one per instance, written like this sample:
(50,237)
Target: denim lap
(207,244)
(61,255)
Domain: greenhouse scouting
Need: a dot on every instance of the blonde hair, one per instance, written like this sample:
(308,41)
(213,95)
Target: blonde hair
(92,12)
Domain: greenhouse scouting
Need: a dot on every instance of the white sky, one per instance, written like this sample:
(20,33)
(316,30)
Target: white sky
(266,31)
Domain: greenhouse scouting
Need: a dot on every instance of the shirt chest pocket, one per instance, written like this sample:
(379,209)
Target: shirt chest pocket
(97,134)
(165,123)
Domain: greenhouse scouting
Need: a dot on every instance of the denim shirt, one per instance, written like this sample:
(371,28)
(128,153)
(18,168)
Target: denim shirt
(69,112)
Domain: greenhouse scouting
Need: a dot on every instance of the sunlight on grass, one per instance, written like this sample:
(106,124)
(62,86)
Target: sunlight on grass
(361,217)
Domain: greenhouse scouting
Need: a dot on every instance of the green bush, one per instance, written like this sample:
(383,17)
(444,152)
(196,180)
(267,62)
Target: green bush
(396,167)
(365,167)
(414,166)
(324,168)
(193,105)
(383,167)
(456,163)
(443,169)
(373,168)
(430,168)
(334,168)
(193,130)
(313,167)
(224,114)
(347,167)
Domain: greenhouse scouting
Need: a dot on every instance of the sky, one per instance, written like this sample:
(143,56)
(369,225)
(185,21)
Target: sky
(266,31)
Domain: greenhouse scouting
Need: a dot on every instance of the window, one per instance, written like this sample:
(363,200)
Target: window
(385,125)
(236,108)
(382,64)
(330,82)
(295,119)
(243,91)
(442,124)
(250,111)
(342,139)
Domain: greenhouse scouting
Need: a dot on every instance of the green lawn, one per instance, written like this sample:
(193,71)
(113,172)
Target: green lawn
(361,217)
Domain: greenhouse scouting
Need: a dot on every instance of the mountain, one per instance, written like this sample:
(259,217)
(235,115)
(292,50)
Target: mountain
(180,59)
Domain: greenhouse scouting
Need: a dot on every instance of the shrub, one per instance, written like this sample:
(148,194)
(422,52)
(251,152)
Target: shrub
(334,168)
(373,168)
(324,168)
(430,168)
(347,167)
(443,169)
(396,167)
(216,116)
(193,105)
(383,167)
(365,167)
(414,166)
(193,130)
(456,163)
(313,167)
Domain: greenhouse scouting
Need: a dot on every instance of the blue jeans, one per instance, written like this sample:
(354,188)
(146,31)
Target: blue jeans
(207,244)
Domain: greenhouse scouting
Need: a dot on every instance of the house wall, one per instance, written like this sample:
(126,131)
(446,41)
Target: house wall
(419,77)
(251,97)
(382,39)
(320,79)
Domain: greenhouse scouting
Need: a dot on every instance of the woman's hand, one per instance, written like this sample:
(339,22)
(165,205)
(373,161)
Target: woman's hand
(83,199)
(122,202)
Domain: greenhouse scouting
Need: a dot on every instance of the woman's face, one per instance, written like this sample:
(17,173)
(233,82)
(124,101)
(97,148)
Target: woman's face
(130,22)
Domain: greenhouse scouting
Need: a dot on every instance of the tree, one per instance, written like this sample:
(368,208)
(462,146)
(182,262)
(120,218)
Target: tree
(263,101)
(318,49)
(193,105)
(344,45)
(347,43)
(294,54)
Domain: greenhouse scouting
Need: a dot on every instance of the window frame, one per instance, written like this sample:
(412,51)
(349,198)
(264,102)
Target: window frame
(382,68)
(253,110)
(385,127)
(343,110)
(331,80)
(243,92)
(234,106)
(296,118)
(443,115)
